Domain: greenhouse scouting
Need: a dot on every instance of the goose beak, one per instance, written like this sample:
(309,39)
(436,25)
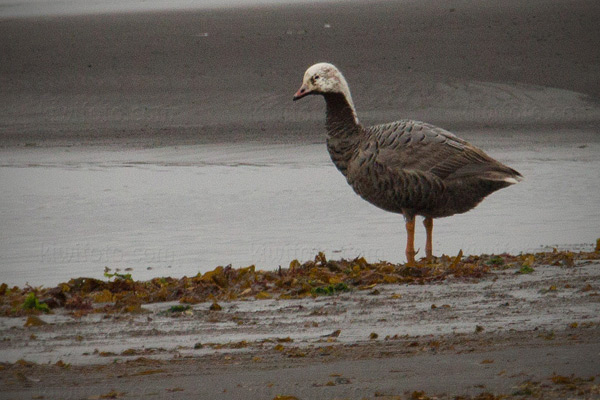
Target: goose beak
(303,91)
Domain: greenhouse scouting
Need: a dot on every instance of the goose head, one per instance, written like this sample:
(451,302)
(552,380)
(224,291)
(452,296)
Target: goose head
(323,79)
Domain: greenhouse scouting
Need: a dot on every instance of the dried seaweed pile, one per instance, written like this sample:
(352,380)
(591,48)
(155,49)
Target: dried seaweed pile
(120,293)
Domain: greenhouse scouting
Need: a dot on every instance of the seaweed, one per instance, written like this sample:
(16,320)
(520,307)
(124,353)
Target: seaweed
(330,289)
(495,260)
(32,320)
(32,303)
(317,277)
(117,275)
(525,269)
(179,308)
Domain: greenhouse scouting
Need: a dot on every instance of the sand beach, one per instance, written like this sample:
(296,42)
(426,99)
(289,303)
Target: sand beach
(164,142)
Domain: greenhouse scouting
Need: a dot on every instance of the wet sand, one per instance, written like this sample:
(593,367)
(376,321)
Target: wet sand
(522,336)
(189,77)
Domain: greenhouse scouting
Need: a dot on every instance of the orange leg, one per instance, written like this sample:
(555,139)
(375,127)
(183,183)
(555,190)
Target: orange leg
(428,222)
(410,240)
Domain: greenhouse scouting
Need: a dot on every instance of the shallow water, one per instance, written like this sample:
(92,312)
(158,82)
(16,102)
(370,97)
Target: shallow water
(70,212)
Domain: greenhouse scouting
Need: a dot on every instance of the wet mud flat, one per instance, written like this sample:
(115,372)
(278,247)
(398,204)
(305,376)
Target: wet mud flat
(519,330)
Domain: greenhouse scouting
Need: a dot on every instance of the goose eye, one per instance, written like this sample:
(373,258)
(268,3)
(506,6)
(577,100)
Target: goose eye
(317,77)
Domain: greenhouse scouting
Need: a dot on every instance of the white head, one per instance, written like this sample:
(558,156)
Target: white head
(323,78)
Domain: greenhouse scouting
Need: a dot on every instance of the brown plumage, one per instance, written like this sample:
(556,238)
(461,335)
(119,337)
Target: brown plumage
(406,167)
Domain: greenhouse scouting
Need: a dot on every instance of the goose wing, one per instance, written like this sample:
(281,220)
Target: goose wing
(424,148)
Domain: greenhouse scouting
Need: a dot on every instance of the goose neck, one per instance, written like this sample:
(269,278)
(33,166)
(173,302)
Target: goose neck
(341,116)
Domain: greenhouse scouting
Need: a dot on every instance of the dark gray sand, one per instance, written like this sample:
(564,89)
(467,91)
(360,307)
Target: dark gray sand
(223,75)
